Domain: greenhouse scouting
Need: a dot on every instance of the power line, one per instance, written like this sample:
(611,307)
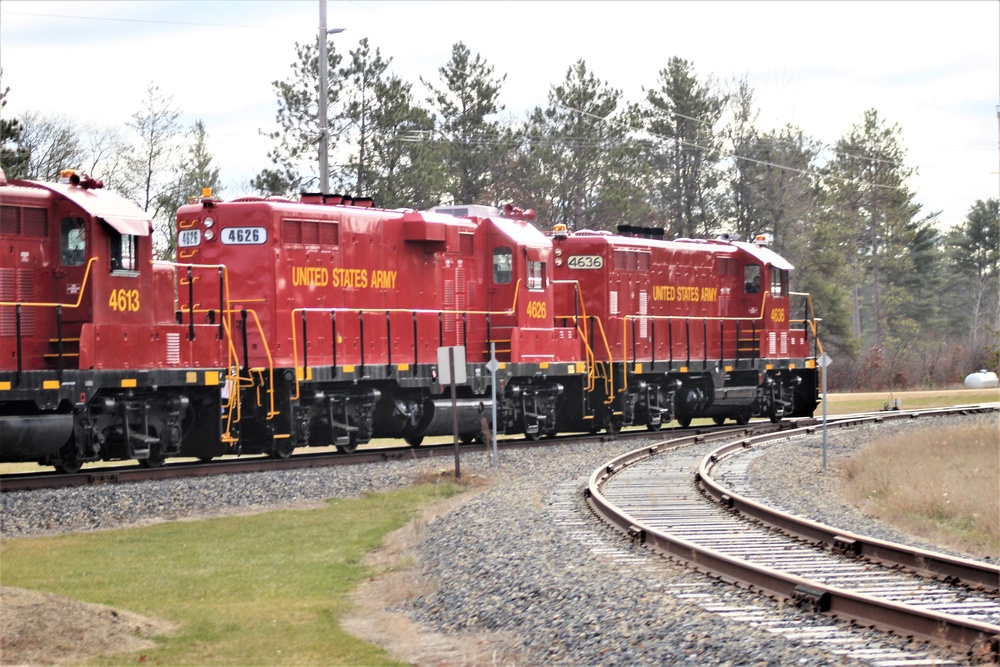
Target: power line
(108,18)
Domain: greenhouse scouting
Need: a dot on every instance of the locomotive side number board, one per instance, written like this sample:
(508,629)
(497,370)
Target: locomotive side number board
(585,262)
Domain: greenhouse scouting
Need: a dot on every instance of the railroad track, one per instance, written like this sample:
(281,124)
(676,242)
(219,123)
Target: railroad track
(665,497)
(305,459)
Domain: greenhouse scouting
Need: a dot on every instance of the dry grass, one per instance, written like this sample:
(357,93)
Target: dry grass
(943,486)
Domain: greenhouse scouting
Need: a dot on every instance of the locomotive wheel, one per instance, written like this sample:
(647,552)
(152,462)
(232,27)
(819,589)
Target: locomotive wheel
(742,418)
(414,440)
(69,459)
(282,449)
(351,446)
(685,422)
(467,438)
(154,460)
(532,436)
(653,428)
(719,420)
(612,424)
(69,467)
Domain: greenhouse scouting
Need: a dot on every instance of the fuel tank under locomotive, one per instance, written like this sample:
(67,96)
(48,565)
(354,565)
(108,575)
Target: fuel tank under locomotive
(33,437)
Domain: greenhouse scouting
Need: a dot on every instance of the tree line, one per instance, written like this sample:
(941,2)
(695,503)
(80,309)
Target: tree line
(903,302)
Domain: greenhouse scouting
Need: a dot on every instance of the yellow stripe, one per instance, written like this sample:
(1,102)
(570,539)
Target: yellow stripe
(544,364)
(191,377)
(729,369)
(791,366)
(638,368)
(348,369)
(769,367)
(581,366)
(810,364)
(50,384)
(5,386)
(127,384)
(403,367)
(684,369)
(212,378)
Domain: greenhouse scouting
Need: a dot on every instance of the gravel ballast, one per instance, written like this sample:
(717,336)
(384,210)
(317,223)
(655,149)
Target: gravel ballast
(500,566)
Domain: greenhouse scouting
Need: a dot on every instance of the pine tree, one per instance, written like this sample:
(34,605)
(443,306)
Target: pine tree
(575,154)
(874,210)
(682,113)
(14,156)
(466,105)
(294,155)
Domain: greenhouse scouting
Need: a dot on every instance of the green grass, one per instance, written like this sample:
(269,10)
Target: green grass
(268,588)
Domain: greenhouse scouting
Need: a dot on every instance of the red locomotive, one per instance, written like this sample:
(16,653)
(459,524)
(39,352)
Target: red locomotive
(338,342)
(685,328)
(318,322)
(93,364)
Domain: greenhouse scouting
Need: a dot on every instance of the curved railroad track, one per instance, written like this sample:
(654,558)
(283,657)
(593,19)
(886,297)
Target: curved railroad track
(665,497)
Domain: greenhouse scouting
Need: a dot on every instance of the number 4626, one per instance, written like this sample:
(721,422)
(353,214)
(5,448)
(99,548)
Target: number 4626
(124,300)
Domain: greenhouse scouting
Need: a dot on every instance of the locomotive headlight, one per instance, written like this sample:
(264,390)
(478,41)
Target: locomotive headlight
(559,252)
(209,235)
(209,222)
(558,261)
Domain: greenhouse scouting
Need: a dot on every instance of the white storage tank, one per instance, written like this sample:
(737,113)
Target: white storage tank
(984,379)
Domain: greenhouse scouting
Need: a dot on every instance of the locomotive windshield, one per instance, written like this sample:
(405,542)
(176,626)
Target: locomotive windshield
(72,242)
(536,275)
(751,278)
(503,265)
(123,251)
(779,281)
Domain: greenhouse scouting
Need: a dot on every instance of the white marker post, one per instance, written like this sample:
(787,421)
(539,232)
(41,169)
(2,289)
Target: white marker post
(824,361)
(492,366)
(451,370)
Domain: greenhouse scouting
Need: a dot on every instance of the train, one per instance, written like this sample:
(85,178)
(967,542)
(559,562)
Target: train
(327,321)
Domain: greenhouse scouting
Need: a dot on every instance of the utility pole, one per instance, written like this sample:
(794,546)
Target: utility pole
(324,131)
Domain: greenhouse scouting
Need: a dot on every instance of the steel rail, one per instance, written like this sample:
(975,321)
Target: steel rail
(939,628)
(976,574)
(305,459)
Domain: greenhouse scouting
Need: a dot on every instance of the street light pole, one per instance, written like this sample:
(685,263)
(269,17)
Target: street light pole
(324,132)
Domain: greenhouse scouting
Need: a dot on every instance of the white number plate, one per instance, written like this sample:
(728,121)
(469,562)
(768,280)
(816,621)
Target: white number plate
(187,238)
(585,262)
(244,235)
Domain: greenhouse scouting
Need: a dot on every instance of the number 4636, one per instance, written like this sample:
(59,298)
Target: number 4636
(124,300)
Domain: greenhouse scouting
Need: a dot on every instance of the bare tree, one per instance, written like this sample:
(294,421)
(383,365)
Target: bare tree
(157,127)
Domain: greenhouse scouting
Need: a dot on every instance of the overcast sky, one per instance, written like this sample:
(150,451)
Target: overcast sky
(933,68)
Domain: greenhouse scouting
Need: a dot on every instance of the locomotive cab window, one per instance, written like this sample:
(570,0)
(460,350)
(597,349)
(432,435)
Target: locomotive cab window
(779,282)
(124,250)
(503,265)
(751,278)
(536,276)
(72,242)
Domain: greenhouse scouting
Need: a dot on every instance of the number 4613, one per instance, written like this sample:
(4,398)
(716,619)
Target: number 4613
(124,300)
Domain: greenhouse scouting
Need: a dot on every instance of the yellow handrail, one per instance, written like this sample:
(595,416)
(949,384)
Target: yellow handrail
(381,311)
(42,304)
